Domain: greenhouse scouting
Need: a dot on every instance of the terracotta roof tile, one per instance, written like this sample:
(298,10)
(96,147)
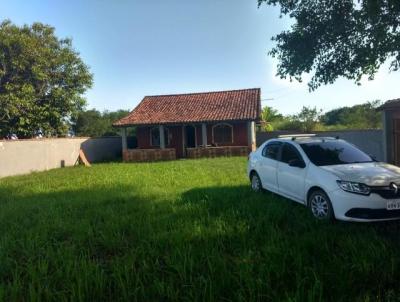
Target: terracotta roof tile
(242,104)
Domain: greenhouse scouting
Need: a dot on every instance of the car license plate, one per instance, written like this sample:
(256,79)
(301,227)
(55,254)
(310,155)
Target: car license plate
(393,205)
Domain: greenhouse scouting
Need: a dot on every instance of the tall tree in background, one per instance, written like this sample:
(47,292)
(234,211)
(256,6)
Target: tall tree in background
(94,123)
(42,80)
(334,39)
(308,117)
(362,116)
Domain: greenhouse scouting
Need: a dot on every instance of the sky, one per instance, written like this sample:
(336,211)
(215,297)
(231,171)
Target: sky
(140,47)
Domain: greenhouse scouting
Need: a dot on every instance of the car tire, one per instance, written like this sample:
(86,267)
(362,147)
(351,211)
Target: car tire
(320,206)
(255,181)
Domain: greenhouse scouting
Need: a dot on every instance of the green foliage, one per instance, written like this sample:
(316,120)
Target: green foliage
(288,123)
(268,116)
(94,123)
(335,39)
(308,118)
(364,116)
(42,80)
(181,231)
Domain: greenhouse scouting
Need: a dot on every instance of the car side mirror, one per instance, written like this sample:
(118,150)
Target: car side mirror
(373,157)
(298,163)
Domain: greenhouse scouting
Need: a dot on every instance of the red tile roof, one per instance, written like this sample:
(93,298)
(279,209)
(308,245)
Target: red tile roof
(230,105)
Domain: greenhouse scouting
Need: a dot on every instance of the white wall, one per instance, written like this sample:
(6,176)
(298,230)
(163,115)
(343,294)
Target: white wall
(25,156)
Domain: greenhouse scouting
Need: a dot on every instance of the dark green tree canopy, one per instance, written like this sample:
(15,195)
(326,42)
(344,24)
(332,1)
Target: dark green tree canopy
(337,38)
(362,116)
(42,81)
(94,123)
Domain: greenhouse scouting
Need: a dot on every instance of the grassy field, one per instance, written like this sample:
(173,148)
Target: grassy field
(185,230)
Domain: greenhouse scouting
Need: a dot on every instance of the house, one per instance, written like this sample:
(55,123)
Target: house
(193,125)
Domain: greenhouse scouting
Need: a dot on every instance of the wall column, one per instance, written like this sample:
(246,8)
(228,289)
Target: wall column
(251,135)
(385,131)
(162,137)
(124,140)
(204,134)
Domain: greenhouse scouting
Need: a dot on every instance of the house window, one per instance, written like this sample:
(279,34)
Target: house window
(222,134)
(155,136)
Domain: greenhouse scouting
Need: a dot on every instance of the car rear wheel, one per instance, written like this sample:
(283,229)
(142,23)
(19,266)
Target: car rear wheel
(320,205)
(255,182)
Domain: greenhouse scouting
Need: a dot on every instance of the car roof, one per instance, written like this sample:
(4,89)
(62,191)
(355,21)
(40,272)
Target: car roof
(303,139)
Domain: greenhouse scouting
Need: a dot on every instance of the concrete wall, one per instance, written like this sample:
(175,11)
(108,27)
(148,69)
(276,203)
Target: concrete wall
(25,156)
(102,148)
(370,141)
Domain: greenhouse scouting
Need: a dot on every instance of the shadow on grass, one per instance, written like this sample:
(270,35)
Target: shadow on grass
(306,257)
(272,206)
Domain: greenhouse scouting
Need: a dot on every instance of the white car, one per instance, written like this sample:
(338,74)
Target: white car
(329,175)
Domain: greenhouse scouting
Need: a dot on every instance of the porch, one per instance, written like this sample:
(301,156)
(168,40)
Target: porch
(195,140)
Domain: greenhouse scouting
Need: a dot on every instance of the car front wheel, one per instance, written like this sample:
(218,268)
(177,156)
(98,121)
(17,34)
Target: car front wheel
(255,182)
(320,205)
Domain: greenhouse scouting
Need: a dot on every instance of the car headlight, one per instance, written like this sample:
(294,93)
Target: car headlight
(354,187)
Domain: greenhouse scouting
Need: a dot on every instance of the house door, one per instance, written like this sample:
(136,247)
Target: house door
(396,140)
(190,133)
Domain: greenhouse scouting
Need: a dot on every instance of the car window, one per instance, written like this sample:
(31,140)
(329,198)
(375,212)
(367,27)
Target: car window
(334,152)
(271,150)
(289,152)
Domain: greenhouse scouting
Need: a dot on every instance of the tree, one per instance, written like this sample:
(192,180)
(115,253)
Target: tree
(89,123)
(308,117)
(288,123)
(363,116)
(94,123)
(306,120)
(268,116)
(335,39)
(42,80)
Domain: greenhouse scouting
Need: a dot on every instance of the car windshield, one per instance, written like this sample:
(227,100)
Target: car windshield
(334,152)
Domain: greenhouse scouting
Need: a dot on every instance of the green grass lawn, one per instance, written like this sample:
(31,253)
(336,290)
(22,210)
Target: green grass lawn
(184,230)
